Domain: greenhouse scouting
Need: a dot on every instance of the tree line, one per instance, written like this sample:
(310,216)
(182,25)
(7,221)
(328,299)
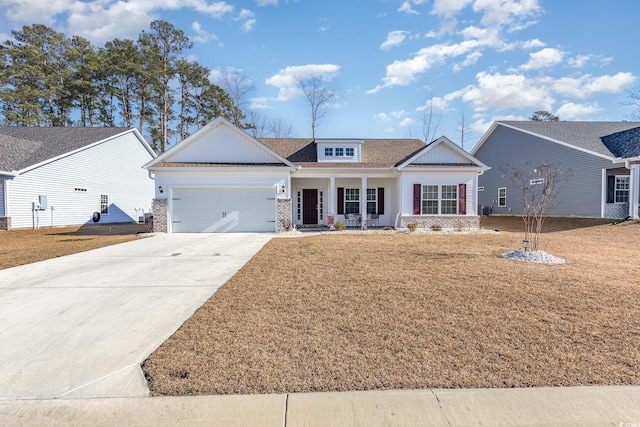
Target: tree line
(48,79)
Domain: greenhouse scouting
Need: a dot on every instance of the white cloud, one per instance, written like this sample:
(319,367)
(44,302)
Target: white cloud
(572,111)
(394,38)
(259,103)
(383,117)
(502,91)
(406,8)
(533,44)
(579,61)
(267,2)
(587,85)
(471,59)
(449,8)
(407,121)
(435,104)
(202,36)
(104,20)
(544,58)
(399,114)
(401,73)
(247,20)
(287,79)
(506,12)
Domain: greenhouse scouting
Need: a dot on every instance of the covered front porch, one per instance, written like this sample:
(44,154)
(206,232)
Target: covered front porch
(357,201)
(621,191)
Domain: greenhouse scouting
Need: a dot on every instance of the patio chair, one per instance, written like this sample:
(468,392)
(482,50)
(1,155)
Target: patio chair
(373,220)
(350,220)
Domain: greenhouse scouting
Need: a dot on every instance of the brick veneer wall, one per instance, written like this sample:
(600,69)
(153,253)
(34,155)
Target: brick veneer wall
(285,207)
(446,222)
(5,223)
(159,209)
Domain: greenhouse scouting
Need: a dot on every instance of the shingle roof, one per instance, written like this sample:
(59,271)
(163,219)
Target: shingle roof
(376,153)
(624,144)
(586,135)
(21,147)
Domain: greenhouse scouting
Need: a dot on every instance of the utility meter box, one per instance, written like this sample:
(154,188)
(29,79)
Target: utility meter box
(42,201)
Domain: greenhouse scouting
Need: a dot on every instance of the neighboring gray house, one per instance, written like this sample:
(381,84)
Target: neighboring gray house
(603,156)
(58,176)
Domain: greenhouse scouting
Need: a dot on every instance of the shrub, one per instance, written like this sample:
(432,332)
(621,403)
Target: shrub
(340,226)
(436,227)
(412,226)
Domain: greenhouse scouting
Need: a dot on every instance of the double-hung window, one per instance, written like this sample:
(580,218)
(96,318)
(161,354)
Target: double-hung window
(328,151)
(348,152)
(372,200)
(104,204)
(351,200)
(449,200)
(339,151)
(429,200)
(622,189)
(502,197)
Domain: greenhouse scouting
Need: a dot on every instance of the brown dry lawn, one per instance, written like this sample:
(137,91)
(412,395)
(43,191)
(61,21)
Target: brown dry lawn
(340,312)
(18,247)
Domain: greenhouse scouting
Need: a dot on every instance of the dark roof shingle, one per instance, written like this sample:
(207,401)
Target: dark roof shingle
(21,147)
(585,135)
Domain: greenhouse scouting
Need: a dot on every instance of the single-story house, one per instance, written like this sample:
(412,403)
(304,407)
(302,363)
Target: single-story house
(221,179)
(60,176)
(604,158)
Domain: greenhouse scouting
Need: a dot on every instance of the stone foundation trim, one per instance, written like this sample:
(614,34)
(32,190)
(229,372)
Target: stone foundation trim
(284,215)
(445,222)
(159,209)
(5,223)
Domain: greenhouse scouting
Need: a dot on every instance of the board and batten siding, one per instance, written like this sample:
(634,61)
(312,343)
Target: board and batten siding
(438,178)
(112,168)
(222,144)
(581,195)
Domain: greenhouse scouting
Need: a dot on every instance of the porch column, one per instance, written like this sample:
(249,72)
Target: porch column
(363,202)
(634,188)
(331,205)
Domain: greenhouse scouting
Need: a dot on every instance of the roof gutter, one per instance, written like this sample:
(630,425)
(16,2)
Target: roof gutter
(7,173)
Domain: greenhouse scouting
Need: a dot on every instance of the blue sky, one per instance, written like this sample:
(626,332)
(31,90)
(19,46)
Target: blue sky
(390,62)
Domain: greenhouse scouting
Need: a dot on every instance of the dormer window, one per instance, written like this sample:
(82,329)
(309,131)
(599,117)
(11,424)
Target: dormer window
(339,152)
(328,151)
(348,152)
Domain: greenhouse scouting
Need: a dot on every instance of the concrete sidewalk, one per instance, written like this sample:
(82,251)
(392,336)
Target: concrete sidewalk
(566,406)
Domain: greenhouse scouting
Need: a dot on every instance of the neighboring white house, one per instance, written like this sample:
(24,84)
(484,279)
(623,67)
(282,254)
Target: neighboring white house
(221,179)
(55,176)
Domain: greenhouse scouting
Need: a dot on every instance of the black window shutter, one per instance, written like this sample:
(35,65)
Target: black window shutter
(611,188)
(340,200)
(462,199)
(380,200)
(417,196)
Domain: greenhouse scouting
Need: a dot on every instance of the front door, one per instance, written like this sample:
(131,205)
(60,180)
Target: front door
(309,206)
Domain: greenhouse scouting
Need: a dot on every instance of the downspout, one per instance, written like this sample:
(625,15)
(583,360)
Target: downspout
(397,221)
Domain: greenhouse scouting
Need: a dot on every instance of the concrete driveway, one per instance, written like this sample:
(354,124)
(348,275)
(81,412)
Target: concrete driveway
(80,325)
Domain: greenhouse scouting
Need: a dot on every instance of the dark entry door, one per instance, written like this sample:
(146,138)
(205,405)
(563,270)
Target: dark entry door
(309,206)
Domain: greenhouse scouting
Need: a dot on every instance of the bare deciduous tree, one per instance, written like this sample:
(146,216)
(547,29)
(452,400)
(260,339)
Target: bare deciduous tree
(237,87)
(634,100)
(427,122)
(318,95)
(539,187)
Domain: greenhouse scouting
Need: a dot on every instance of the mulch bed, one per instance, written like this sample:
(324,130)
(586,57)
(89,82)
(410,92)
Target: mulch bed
(401,311)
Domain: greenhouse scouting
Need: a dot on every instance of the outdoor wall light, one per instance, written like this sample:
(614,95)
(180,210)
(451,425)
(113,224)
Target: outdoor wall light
(160,189)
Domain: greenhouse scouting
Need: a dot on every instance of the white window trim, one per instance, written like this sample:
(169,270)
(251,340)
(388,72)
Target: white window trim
(346,191)
(328,151)
(439,200)
(349,149)
(105,210)
(339,150)
(503,205)
(615,189)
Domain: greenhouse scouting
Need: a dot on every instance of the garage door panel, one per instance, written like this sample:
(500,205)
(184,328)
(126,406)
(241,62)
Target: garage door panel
(218,210)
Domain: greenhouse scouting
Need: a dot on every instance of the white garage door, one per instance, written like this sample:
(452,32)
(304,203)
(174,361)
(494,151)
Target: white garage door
(221,210)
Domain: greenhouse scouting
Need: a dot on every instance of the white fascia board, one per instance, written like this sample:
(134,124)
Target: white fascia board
(343,173)
(9,173)
(625,159)
(222,168)
(446,141)
(443,169)
(86,147)
(219,121)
